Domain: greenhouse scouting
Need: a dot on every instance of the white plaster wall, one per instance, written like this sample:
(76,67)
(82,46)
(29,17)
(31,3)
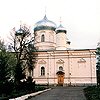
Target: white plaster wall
(61,41)
(75,72)
(80,69)
(52,69)
(50,40)
(80,72)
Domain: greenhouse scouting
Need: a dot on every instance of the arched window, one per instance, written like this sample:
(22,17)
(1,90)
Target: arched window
(42,71)
(61,68)
(42,38)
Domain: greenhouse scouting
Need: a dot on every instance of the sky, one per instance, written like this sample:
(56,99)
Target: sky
(81,18)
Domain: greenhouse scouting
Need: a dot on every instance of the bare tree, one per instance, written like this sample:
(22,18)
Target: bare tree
(23,46)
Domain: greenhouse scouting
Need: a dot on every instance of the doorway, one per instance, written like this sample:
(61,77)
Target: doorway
(60,75)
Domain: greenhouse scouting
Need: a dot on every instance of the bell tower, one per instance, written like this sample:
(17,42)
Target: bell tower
(61,38)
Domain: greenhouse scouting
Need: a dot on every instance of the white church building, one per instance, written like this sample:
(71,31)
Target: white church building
(57,63)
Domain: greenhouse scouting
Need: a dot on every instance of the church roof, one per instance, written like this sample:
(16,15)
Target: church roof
(44,24)
(60,28)
(19,32)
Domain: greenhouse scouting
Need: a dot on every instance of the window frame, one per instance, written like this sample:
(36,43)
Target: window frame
(42,71)
(60,68)
(42,38)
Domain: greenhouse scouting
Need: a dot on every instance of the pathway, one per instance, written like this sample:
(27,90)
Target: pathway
(62,93)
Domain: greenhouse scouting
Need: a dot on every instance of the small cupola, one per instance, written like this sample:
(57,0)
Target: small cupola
(22,31)
(61,29)
(19,32)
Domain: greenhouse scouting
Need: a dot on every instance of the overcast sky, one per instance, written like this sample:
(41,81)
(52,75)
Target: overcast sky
(80,17)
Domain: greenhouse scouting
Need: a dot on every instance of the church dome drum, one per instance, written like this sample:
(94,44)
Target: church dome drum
(44,24)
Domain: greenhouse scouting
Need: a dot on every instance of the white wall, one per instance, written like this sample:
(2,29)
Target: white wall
(78,66)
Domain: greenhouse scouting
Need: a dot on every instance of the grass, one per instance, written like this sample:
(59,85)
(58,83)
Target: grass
(19,93)
(92,92)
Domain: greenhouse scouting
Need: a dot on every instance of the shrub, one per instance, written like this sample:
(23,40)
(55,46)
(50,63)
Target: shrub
(92,93)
